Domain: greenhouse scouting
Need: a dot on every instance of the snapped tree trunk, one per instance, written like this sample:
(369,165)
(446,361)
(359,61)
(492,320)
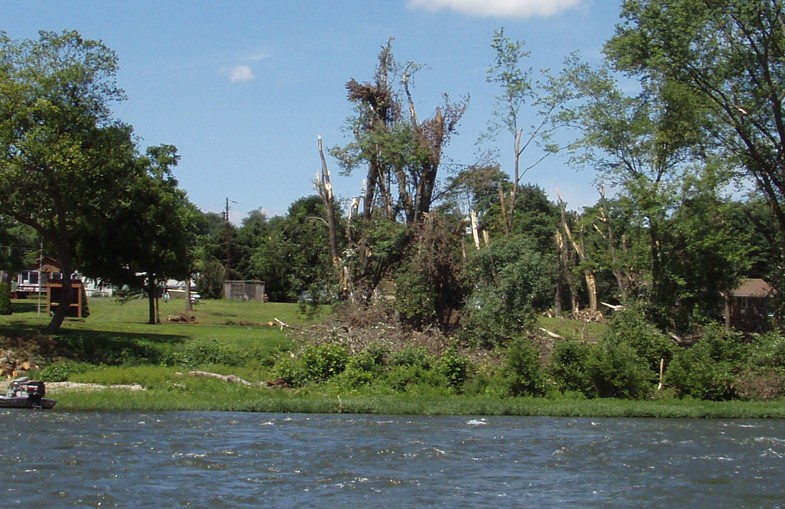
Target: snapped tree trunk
(325,189)
(588,272)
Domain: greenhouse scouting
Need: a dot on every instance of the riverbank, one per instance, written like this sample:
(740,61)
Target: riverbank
(114,361)
(213,395)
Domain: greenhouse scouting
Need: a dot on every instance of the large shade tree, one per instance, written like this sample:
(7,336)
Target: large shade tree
(149,235)
(729,55)
(63,154)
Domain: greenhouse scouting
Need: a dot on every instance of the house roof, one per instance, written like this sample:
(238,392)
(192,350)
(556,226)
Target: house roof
(754,287)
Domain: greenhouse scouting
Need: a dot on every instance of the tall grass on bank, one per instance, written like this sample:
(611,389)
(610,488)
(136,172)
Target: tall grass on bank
(217,396)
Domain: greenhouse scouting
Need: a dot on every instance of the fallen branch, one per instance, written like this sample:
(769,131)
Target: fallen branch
(280,323)
(232,379)
(551,334)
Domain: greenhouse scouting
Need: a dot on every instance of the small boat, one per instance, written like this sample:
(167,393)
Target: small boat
(26,393)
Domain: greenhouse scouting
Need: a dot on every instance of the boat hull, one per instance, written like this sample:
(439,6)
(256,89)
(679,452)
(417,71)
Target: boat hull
(25,402)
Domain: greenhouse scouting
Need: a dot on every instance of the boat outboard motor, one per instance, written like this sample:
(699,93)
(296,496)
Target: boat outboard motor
(35,393)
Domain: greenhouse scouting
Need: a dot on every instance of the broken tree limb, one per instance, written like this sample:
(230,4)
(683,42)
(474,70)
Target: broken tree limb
(232,379)
(549,333)
(280,323)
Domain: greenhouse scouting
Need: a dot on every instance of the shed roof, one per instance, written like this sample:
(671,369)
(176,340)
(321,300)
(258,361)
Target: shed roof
(754,287)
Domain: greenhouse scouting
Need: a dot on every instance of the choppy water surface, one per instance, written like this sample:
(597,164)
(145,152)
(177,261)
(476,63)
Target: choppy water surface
(63,459)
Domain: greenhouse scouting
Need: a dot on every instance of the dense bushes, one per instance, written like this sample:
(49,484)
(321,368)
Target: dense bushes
(624,363)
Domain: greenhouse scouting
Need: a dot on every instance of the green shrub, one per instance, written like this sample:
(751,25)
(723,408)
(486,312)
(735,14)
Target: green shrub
(506,278)
(292,371)
(5,299)
(372,359)
(568,367)
(405,378)
(616,371)
(62,371)
(522,369)
(454,367)
(648,342)
(706,369)
(487,381)
(416,356)
(322,362)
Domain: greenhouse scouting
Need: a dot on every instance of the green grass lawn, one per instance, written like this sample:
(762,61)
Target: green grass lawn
(236,323)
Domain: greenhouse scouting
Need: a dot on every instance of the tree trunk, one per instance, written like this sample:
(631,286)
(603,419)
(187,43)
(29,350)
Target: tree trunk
(621,280)
(189,305)
(152,301)
(588,272)
(325,188)
(66,269)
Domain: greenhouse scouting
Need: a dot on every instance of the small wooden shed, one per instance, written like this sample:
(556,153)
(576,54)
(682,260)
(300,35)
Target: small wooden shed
(248,289)
(750,305)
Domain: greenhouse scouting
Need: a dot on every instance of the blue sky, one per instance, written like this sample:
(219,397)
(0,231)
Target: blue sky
(242,88)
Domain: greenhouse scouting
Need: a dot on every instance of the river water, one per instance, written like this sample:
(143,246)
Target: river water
(216,460)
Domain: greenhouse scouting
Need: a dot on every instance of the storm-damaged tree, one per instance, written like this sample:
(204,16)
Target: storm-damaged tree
(63,154)
(545,96)
(400,153)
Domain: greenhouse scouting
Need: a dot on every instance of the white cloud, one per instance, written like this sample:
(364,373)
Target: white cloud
(240,73)
(262,54)
(497,8)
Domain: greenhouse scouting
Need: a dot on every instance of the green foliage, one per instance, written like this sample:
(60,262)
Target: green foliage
(616,371)
(707,369)
(412,356)
(5,299)
(292,371)
(403,377)
(454,367)
(62,371)
(322,362)
(209,284)
(569,366)
(630,327)
(524,374)
(507,277)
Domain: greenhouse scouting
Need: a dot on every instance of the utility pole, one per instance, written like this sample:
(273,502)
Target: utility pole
(228,235)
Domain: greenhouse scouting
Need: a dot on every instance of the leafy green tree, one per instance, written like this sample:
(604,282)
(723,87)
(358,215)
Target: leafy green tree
(19,245)
(294,257)
(653,148)
(253,231)
(151,232)
(63,153)
(729,57)
(210,280)
(506,278)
